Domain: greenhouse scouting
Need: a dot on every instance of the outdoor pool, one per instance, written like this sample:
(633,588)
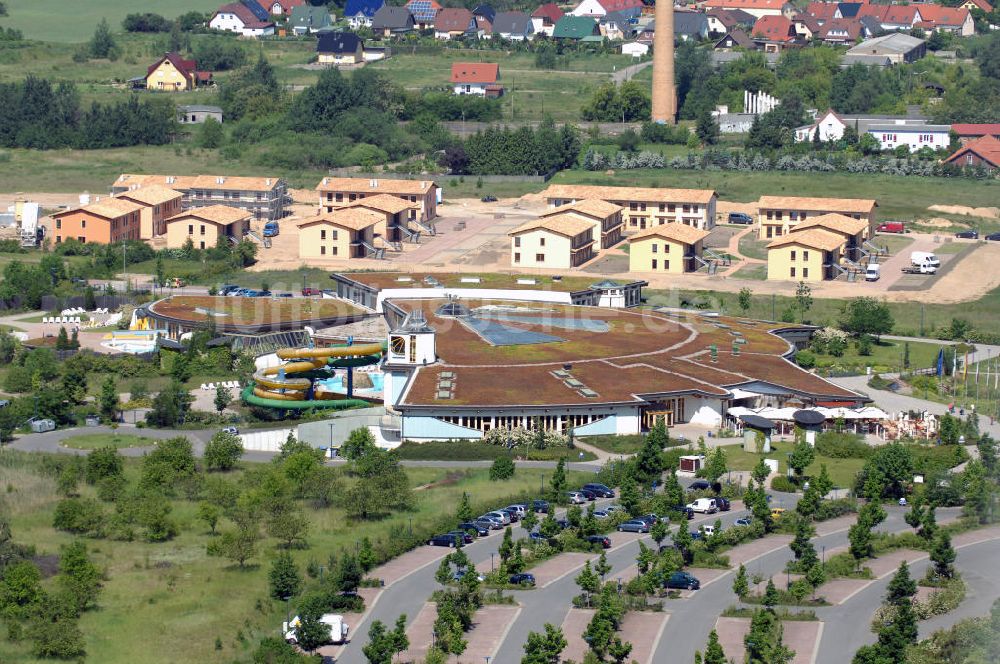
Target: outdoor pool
(338,384)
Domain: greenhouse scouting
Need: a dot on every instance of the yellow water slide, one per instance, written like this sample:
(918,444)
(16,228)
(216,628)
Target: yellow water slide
(271,383)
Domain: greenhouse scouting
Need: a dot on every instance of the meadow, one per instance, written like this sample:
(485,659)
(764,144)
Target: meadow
(173,598)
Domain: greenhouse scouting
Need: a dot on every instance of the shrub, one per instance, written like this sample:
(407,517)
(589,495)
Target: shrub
(842,446)
(805,359)
(502,469)
(783,484)
(831,509)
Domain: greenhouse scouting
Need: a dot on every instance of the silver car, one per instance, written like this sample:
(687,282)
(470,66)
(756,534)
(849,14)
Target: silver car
(504,518)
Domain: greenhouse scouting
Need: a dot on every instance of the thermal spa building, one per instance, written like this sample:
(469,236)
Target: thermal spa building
(468,354)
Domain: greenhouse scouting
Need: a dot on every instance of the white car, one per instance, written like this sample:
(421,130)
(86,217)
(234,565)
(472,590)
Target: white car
(338,628)
(704,506)
(576,498)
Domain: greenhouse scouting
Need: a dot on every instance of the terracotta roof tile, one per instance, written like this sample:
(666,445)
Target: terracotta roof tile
(813,204)
(647,194)
(379,185)
(354,218)
(675,231)
(814,238)
(987,148)
(835,222)
(154,194)
(383,203)
(219,214)
(109,208)
(592,207)
(563,224)
(474,72)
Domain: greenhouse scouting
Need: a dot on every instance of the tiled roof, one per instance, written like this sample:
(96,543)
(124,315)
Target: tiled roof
(383,203)
(219,214)
(593,207)
(815,238)
(738,37)
(392,18)
(841,28)
(246,16)
(549,11)
(563,224)
(808,203)
(967,129)
(774,28)
(353,218)
(362,7)
(380,185)
(674,231)
(474,72)
(514,23)
(646,194)
(453,19)
(823,11)
(109,208)
(185,67)
(835,222)
(152,195)
(620,5)
(939,15)
(746,4)
(423,10)
(181,182)
(987,148)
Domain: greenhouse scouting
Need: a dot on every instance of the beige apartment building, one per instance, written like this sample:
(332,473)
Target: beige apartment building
(341,192)
(777,215)
(644,207)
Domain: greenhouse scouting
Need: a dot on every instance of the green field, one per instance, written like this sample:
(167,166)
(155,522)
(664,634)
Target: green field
(62,21)
(172,598)
(90,441)
(886,356)
(841,471)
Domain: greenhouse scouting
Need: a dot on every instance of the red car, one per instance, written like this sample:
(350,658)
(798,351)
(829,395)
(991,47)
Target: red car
(306,292)
(891,227)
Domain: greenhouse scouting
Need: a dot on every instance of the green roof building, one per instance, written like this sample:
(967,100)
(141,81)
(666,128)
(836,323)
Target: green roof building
(575,27)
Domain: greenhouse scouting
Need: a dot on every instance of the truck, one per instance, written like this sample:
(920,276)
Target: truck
(919,269)
(271,229)
(338,628)
(873,272)
(891,227)
(924,258)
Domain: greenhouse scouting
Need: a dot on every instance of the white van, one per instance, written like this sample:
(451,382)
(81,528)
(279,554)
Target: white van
(873,272)
(338,628)
(704,506)
(921,258)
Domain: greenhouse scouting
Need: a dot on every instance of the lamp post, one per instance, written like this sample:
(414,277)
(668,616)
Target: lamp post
(411,526)
(492,568)
(824,554)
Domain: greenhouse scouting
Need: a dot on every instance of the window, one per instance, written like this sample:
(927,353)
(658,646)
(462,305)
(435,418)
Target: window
(792,273)
(322,251)
(666,248)
(805,273)
(633,206)
(654,263)
(322,234)
(340,198)
(968,158)
(83,223)
(686,209)
(58,224)
(82,239)
(770,215)
(201,229)
(792,256)
(662,207)
(333,235)
(770,231)
(539,258)
(671,207)
(655,247)
(541,242)
(666,265)
(333,251)
(517,257)
(201,245)
(190,229)
(805,255)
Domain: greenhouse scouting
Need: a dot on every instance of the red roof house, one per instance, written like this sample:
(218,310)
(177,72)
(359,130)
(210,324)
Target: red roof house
(970,132)
(549,13)
(476,78)
(983,152)
(172,73)
(774,28)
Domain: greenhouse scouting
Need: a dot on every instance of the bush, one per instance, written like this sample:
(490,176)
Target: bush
(502,469)
(842,446)
(783,484)
(831,509)
(805,359)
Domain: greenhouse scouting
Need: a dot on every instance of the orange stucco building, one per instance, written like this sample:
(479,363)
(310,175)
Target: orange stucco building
(104,222)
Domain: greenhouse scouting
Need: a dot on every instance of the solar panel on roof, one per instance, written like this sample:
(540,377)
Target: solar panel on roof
(256,9)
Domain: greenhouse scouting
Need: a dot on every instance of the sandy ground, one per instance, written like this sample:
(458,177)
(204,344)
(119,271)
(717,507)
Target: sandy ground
(988,212)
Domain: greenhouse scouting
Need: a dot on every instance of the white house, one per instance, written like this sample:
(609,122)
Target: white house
(831,128)
(635,49)
(236,17)
(916,137)
(476,78)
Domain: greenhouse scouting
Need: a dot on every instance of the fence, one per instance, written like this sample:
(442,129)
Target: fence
(468,128)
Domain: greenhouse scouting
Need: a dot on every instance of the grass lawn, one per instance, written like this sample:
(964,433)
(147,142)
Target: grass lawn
(894,243)
(90,441)
(616,444)
(756,271)
(841,471)
(172,598)
(61,21)
(886,356)
(751,247)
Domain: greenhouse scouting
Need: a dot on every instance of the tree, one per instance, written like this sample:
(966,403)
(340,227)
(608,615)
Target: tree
(223,451)
(506,549)
(713,651)
(383,644)
(20,587)
(866,316)
(443,574)
(312,632)
(544,648)
(464,512)
(223,397)
(290,526)
(771,597)
(109,403)
(360,442)
(801,546)
(588,581)
(943,555)
(707,129)
(101,463)
(659,532)
(239,545)
(764,644)
(741,585)
(348,575)
(284,579)
(558,481)
(802,457)
(649,461)
(54,630)
(78,576)
(716,466)
(211,135)
(803,299)
(630,498)
(745,300)
(602,566)
(102,44)
(366,555)
(502,468)
(209,513)
(977,495)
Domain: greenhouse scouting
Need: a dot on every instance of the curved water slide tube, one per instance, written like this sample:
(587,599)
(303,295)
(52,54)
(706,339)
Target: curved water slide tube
(274,387)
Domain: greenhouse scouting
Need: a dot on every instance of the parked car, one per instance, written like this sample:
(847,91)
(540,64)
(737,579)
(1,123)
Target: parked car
(576,498)
(723,504)
(634,526)
(603,540)
(740,218)
(540,505)
(443,540)
(682,581)
(232,430)
(600,490)
(496,522)
(704,506)
(479,528)
(462,535)
(743,521)
(700,485)
(696,534)
(649,519)
(519,508)
(271,229)
(512,514)
(612,508)
(489,198)
(601,514)
(589,495)
(683,509)
(500,514)
(891,227)
(226,289)
(709,529)
(522,579)
(971,234)
(993,237)
(536,536)
(309,291)
(460,574)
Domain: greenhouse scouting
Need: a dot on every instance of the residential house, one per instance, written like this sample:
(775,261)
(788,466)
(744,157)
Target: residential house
(855,232)
(822,11)
(513,26)
(735,38)
(391,21)
(104,221)
(956,20)
(575,28)
(691,26)
(453,23)
(476,78)
(485,12)
(306,19)
(398,216)
(284,7)
(671,249)
(982,5)
(342,233)
(758,8)
(915,137)
(339,48)
(341,192)
(605,217)
(206,226)
(983,152)
(424,12)
(543,19)
(558,242)
(848,9)
(778,215)
(359,13)
(896,47)
(722,21)
(598,8)
(808,255)
(644,206)
(774,32)
(243,19)
(636,49)
(159,204)
(616,26)
(172,73)
(806,27)
(840,31)
(265,198)
(197,114)
(969,132)
(894,18)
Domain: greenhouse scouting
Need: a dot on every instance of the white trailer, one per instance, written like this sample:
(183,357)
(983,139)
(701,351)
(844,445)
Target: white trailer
(338,628)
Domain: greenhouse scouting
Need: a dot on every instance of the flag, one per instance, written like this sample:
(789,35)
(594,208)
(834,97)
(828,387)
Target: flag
(954,363)
(940,362)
